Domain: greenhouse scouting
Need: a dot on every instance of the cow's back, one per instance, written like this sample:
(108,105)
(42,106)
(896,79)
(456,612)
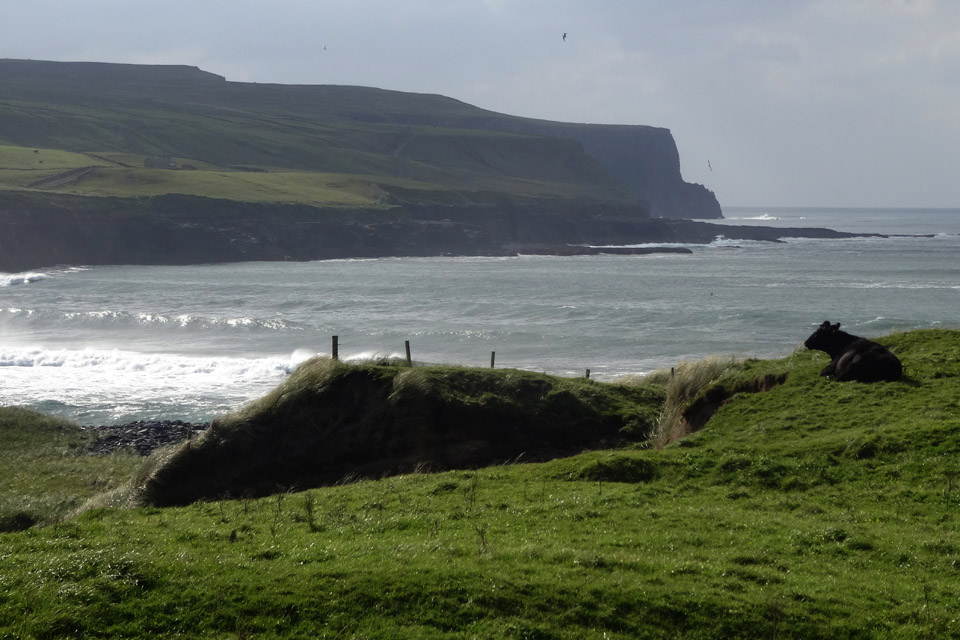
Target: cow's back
(866,361)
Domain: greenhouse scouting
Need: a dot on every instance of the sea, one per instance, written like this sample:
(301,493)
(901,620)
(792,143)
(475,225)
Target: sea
(109,345)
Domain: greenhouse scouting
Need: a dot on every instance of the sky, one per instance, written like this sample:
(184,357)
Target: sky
(817,103)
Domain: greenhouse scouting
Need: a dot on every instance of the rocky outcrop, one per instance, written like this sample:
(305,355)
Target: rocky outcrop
(142,436)
(40,230)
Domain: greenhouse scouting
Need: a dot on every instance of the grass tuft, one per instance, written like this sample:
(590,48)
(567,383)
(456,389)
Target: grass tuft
(682,384)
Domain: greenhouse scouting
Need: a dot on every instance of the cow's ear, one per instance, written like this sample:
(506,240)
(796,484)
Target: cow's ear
(836,327)
(825,325)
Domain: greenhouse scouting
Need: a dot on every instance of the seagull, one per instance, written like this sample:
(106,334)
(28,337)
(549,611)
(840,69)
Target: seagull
(564,36)
(708,165)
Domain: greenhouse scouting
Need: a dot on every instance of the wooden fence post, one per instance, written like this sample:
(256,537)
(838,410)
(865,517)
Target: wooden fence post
(588,374)
(493,357)
(406,345)
(336,347)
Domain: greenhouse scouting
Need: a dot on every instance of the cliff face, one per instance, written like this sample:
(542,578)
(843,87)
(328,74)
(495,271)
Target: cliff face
(643,159)
(40,230)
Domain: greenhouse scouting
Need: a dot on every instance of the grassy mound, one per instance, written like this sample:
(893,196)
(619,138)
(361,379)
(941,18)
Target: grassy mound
(331,420)
(816,509)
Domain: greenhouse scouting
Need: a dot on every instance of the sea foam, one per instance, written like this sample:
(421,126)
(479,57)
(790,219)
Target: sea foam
(121,362)
(9,280)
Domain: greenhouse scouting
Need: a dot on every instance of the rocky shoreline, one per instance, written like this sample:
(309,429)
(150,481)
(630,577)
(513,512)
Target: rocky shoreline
(41,230)
(143,436)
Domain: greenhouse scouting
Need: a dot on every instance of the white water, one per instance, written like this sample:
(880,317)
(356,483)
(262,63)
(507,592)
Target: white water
(111,344)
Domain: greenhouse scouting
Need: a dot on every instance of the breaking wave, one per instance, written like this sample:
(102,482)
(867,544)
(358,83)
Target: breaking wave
(100,386)
(109,320)
(9,280)
(161,365)
(27,277)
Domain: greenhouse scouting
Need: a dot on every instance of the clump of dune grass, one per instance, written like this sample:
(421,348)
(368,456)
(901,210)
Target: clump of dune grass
(331,419)
(682,384)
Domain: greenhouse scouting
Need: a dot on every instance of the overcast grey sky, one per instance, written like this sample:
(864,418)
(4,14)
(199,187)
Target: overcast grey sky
(792,102)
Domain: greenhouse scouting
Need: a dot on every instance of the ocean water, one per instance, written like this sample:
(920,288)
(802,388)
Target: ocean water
(103,345)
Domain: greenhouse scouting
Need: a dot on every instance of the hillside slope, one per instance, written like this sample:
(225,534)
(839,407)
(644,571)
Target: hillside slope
(188,113)
(813,510)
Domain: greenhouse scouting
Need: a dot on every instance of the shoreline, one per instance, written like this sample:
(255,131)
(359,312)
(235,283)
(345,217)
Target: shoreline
(43,231)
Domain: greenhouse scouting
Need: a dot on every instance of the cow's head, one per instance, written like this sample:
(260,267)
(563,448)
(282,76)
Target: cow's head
(826,338)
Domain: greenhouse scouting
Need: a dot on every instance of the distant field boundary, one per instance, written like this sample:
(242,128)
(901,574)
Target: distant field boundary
(60,179)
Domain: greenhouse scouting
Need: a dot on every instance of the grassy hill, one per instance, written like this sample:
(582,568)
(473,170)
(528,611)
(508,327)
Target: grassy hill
(118,116)
(216,126)
(815,509)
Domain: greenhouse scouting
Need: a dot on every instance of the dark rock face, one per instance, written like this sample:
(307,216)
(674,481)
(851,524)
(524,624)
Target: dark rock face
(40,230)
(143,436)
(644,159)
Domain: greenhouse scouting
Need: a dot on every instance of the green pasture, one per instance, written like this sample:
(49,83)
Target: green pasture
(296,187)
(44,160)
(813,510)
(124,175)
(135,161)
(45,471)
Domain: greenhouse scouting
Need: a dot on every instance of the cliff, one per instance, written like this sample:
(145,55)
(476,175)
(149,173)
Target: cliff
(184,112)
(643,159)
(40,230)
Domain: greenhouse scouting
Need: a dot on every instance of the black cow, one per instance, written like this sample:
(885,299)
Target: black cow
(853,357)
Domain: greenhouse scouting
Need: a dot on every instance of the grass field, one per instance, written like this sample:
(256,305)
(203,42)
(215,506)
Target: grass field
(43,160)
(297,187)
(124,175)
(45,471)
(813,510)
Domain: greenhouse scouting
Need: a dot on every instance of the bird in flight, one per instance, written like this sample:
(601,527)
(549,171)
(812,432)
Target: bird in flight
(708,165)
(564,36)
